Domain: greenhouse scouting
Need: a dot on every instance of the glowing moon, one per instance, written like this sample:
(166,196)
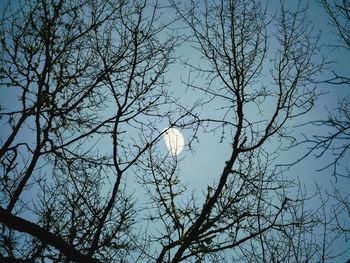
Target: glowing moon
(174,141)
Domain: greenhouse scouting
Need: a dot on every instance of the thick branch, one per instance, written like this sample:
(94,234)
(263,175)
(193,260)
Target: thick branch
(44,236)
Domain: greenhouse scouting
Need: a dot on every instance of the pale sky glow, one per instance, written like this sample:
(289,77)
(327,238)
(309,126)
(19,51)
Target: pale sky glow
(174,131)
(174,141)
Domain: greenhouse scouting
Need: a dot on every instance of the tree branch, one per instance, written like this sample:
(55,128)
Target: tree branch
(44,236)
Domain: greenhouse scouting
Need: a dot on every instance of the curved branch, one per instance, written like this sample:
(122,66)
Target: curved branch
(25,226)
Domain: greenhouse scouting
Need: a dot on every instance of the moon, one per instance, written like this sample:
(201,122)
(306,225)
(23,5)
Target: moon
(174,141)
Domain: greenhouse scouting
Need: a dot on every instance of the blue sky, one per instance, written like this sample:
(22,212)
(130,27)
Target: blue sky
(209,148)
(201,168)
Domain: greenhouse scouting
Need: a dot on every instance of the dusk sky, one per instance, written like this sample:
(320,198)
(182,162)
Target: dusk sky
(208,146)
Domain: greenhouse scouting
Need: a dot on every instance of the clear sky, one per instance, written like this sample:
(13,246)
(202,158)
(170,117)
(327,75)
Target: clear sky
(210,150)
(202,166)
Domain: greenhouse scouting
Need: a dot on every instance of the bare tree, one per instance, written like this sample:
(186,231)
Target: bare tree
(249,211)
(338,119)
(335,140)
(84,73)
(89,83)
(339,14)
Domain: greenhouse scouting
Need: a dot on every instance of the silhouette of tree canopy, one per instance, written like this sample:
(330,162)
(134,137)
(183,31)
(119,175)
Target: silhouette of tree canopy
(87,93)
(336,140)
